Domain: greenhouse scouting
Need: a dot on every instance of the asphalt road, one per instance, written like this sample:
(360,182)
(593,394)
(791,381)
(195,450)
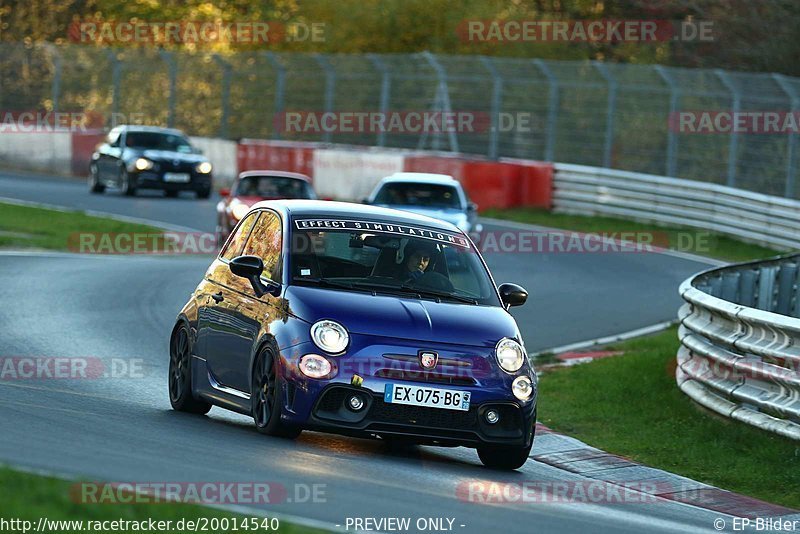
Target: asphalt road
(122,429)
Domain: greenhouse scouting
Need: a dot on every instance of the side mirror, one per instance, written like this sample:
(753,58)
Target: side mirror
(251,267)
(365,200)
(472,207)
(224,192)
(512,295)
(198,150)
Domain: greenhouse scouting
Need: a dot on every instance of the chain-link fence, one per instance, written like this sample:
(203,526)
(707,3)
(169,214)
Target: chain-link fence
(592,113)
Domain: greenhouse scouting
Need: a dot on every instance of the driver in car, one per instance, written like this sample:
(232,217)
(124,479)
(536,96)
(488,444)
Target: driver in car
(417,259)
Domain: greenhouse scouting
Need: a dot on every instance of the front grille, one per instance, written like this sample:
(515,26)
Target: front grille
(430,378)
(382,412)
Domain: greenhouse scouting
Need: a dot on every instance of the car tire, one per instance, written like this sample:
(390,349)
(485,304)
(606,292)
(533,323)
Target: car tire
(170,194)
(181,395)
(266,395)
(128,188)
(204,193)
(94,181)
(506,458)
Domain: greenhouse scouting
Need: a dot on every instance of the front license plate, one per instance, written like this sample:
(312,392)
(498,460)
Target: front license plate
(447,399)
(180,177)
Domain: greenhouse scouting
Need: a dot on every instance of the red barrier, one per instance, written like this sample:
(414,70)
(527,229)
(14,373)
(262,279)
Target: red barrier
(83,145)
(281,156)
(536,184)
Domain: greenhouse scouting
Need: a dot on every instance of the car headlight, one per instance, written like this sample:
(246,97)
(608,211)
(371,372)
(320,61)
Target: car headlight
(510,355)
(204,168)
(239,210)
(330,336)
(142,164)
(315,366)
(522,388)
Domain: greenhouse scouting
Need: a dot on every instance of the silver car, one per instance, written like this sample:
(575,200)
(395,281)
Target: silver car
(436,195)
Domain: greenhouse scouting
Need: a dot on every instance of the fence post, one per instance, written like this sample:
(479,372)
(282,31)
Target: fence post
(672,135)
(169,59)
(552,109)
(330,83)
(791,148)
(116,76)
(280,83)
(611,109)
(733,144)
(386,84)
(497,99)
(443,101)
(226,94)
(55,89)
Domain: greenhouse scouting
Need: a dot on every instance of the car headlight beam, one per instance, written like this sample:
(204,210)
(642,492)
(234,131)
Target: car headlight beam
(510,355)
(142,164)
(204,167)
(330,336)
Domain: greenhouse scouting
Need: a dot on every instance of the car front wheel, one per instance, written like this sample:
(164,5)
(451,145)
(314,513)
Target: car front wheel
(266,395)
(506,458)
(94,181)
(128,187)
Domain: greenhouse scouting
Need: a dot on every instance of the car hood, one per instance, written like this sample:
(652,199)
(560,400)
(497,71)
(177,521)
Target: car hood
(169,155)
(400,317)
(454,216)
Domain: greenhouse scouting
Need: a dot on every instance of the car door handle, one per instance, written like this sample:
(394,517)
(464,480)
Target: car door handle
(218,297)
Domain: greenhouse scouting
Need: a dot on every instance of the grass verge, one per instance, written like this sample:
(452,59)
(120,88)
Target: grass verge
(31,227)
(30,497)
(630,405)
(685,239)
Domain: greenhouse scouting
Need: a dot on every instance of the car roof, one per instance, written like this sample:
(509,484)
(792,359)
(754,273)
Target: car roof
(421,178)
(298,209)
(275,174)
(156,129)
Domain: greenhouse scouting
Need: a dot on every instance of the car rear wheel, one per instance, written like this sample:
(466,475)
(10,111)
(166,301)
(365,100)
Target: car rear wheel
(180,375)
(204,193)
(94,181)
(266,395)
(128,188)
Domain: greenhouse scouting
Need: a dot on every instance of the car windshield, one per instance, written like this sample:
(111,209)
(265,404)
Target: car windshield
(387,258)
(417,194)
(158,141)
(274,187)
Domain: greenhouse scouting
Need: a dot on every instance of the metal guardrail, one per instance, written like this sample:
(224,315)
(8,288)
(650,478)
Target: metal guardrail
(766,220)
(740,343)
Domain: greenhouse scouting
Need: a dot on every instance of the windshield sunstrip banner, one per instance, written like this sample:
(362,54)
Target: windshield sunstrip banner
(446,238)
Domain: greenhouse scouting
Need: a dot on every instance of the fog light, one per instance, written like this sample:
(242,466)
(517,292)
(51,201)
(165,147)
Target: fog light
(314,366)
(492,417)
(355,403)
(522,388)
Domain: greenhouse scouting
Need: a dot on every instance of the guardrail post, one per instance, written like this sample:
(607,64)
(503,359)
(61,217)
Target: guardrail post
(672,135)
(611,109)
(552,109)
(386,85)
(226,95)
(747,288)
(280,83)
(791,147)
(497,98)
(169,59)
(730,287)
(766,288)
(330,83)
(443,101)
(733,145)
(786,279)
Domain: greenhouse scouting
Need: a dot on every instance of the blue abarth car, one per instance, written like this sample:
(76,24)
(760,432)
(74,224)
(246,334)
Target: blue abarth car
(362,321)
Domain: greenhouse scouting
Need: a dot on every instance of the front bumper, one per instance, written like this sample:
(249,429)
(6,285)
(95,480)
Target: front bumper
(155,180)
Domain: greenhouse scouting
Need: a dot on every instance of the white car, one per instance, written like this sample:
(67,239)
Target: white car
(436,195)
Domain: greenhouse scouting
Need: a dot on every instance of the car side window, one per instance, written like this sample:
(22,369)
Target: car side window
(236,243)
(265,241)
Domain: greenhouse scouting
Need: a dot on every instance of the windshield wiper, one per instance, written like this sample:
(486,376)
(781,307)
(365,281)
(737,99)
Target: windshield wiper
(438,294)
(325,282)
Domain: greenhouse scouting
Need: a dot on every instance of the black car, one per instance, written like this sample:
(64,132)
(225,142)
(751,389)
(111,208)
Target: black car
(147,157)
